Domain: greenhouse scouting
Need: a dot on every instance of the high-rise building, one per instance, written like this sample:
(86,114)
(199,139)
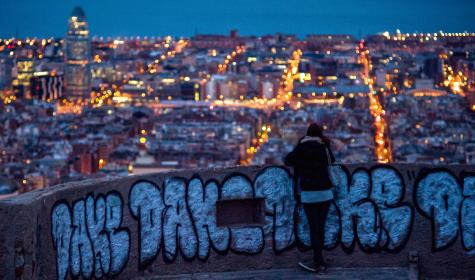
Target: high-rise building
(77,55)
(6,65)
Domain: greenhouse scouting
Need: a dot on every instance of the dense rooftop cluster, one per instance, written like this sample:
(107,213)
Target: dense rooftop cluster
(439,128)
(216,100)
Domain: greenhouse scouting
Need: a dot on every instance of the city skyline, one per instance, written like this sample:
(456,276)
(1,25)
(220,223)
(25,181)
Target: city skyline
(185,18)
(124,105)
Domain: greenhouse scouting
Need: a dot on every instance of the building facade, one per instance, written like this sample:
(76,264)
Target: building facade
(6,65)
(24,68)
(47,86)
(77,55)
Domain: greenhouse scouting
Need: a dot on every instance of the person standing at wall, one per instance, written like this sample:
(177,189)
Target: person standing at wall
(310,160)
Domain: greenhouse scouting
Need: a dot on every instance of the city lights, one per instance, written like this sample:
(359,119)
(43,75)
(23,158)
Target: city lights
(381,138)
(78,106)
(262,138)
(222,68)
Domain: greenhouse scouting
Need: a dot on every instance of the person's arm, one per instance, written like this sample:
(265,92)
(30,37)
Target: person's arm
(291,158)
(332,157)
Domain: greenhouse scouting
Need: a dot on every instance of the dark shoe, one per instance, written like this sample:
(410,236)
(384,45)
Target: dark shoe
(309,266)
(322,269)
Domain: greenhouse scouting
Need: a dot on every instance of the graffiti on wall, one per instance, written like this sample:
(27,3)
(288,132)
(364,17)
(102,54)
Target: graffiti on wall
(368,210)
(178,217)
(89,238)
(449,203)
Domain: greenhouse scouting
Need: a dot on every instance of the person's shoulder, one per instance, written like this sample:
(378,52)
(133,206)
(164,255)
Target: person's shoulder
(312,144)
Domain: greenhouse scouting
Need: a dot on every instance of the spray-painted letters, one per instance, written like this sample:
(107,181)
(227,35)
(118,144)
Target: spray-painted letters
(88,238)
(371,211)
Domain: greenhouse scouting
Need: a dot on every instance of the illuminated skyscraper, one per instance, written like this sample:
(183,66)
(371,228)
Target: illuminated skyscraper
(77,54)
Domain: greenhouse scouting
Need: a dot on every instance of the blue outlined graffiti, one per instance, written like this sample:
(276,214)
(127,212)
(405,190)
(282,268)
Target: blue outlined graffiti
(437,196)
(368,210)
(201,199)
(467,212)
(89,238)
(178,218)
(448,202)
(177,225)
(61,233)
(146,205)
(388,192)
(275,185)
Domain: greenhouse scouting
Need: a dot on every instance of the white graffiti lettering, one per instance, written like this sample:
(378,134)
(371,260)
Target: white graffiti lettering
(370,211)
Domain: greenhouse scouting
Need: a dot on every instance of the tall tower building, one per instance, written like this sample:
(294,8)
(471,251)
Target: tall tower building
(77,55)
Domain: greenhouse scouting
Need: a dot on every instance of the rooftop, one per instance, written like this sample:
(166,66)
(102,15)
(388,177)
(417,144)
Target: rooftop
(79,13)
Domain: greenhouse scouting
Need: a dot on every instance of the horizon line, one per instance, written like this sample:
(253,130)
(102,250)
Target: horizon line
(417,33)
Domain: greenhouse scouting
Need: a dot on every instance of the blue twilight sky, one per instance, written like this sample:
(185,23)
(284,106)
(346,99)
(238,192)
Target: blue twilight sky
(185,17)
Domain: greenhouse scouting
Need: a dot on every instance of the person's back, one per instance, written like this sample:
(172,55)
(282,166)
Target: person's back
(310,162)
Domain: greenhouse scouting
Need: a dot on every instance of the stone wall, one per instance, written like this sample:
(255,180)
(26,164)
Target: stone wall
(166,223)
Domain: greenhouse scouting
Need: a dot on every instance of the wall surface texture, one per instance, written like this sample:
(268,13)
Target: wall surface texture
(166,223)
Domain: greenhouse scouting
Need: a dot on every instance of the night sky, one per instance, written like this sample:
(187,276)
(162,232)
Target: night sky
(45,18)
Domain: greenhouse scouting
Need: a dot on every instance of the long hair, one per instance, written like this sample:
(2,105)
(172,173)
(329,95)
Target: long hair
(314,130)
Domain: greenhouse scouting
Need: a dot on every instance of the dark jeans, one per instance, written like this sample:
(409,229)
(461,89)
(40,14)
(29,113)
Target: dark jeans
(317,215)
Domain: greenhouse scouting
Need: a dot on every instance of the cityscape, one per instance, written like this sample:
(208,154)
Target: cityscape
(81,106)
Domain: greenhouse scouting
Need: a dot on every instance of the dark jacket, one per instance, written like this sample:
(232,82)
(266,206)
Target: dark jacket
(310,162)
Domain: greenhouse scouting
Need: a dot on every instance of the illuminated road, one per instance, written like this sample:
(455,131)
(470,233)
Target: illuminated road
(171,48)
(285,94)
(381,138)
(261,138)
(285,97)
(223,67)
(285,91)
